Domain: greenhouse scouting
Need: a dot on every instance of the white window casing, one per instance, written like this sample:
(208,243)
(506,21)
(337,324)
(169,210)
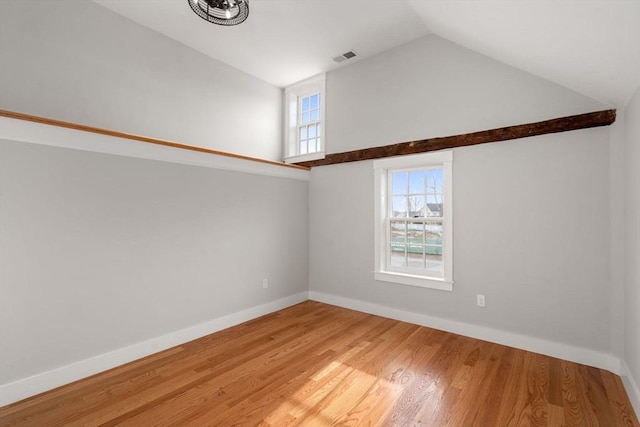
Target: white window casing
(383,214)
(292,110)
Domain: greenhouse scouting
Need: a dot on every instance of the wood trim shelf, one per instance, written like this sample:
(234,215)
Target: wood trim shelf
(139,138)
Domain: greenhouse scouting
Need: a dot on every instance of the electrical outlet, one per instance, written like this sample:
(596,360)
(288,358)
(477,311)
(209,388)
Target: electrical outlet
(480,300)
(265,283)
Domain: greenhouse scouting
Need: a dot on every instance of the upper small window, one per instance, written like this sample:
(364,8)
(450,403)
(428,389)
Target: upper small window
(304,124)
(309,129)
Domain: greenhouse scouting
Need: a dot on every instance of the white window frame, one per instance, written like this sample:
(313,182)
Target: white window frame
(292,95)
(381,168)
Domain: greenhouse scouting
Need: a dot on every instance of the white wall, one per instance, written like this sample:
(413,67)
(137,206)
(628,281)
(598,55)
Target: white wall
(531,221)
(632,244)
(432,87)
(77,61)
(99,252)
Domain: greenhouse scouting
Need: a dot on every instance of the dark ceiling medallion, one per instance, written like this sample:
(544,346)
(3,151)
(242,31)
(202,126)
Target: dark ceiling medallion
(221,12)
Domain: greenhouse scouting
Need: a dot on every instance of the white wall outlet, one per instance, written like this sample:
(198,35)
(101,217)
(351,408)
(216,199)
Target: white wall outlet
(480,300)
(265,283)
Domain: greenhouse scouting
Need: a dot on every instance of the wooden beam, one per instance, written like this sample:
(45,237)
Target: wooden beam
(563,124)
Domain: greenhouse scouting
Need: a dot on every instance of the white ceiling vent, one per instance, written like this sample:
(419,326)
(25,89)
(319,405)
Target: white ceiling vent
(345,56)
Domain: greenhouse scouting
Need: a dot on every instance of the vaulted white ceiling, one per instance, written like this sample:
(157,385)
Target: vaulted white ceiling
(590,46)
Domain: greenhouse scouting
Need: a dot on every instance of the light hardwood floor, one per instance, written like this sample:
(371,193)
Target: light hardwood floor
(318,365)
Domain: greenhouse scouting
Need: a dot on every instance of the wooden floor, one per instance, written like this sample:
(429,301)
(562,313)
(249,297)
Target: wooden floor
(319,365)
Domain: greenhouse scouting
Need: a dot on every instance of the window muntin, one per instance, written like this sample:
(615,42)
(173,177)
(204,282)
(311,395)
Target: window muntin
(413,234)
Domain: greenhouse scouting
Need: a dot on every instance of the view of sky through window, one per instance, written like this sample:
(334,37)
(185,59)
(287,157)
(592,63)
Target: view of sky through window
(417,193)
(309,128)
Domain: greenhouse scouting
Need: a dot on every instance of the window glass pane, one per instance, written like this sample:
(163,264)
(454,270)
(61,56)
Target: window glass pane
(315,115)
(303,147)
(312,131)
(416,206)
(415,233)
(433,234)
(305,104)
(434,180)
(312,145)
(398,255)
(434,264)
(434,205)
(434,250)
(434,198)
(399,208)
(416,182)
(399,183)
(415,256)
(303,133)
(315,101)
(398,232)
(305,118)
(415,245)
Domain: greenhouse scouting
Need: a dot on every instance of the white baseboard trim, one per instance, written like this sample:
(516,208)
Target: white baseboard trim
(633,391)
(30,386)
(536,345)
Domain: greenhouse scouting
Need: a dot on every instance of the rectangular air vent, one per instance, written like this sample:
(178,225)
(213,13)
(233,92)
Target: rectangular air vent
(345,56)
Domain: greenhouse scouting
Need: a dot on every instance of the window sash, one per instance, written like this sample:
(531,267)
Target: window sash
(421,255)
(431,268)
(308,144)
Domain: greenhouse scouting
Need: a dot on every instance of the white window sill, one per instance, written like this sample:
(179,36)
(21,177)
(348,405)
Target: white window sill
(412,280)
(305,157)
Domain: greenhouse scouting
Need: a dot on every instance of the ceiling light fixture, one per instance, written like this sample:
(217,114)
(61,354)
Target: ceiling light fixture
(221,12)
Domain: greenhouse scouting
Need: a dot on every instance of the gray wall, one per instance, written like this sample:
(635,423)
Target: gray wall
(632,233)
(432,87)
(531,217)
(528,234)
(99,252)
(74,60)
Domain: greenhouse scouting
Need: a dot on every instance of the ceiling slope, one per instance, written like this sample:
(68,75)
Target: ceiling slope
(283,41)
(590,46)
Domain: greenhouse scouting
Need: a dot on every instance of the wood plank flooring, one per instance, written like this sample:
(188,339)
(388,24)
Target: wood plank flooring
(318,365)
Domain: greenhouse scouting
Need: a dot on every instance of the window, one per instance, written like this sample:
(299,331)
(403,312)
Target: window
(304,127)
(309,128)
(414,218)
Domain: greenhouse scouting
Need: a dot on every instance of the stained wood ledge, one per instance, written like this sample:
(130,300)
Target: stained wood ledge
(116,134)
